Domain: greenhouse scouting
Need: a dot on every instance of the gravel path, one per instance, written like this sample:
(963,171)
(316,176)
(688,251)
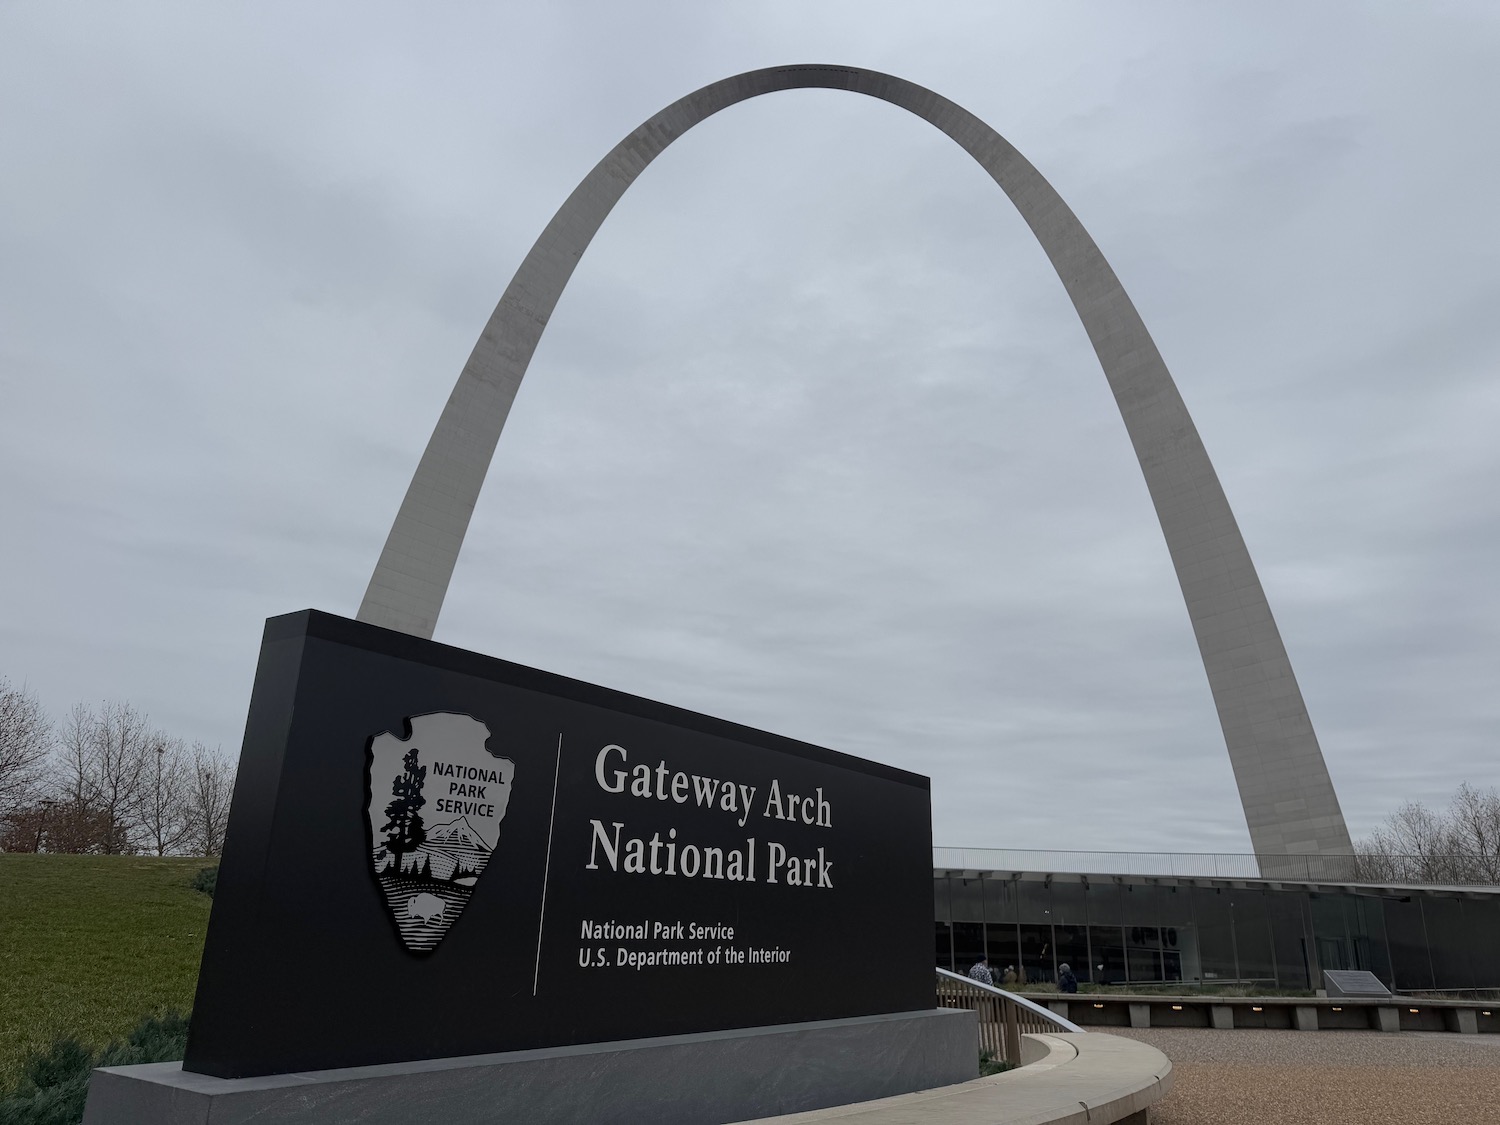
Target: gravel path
(1255,1077)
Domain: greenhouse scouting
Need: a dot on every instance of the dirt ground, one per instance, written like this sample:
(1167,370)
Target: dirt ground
(1326,1077)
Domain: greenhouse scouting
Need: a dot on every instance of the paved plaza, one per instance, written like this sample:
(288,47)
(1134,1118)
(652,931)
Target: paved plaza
(1326,1077)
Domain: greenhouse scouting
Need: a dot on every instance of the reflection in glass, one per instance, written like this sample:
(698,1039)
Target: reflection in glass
(1371,924)
(968,945)
(1108,948)
(1114,930)
(1070,928)
(1450,957)
(945,946)
(1252,937)
(1482,924)
(1285,909)
(1406,936)
(1000,923)
(1037,954)
(944,923)
(1141,905)
(1214,917)
(1178,935)
(1000,941)
(1482,939)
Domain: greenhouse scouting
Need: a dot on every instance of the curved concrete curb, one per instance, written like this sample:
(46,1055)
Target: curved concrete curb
(1087,1078)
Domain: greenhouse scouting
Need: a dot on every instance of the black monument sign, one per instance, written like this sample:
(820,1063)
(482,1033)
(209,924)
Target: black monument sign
(434,853)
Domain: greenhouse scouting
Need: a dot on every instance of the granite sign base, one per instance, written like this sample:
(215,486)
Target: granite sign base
(705,1079)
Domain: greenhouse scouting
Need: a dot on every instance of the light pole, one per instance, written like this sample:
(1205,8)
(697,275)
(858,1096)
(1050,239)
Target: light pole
(41,823)
(156,812)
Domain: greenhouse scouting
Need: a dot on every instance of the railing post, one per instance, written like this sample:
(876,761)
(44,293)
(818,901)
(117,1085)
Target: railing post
(1012,1032)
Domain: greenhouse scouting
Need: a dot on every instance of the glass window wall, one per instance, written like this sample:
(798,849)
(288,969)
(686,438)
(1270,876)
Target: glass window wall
(1038,953)
(1106,936)
(1406,934)
(1117,931)
(1214,916)
(1177,934)
(966,900)
(1445,937)
(1482,926)
(1070,930)
(1373,944)
(1000,925)
(1142,906)
(1254,944)
(944,923)
(1286,911)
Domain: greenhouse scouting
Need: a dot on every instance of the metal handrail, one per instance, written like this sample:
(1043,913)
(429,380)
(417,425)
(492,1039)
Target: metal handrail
(1457,870)
(1003,1016)
(1046,1014)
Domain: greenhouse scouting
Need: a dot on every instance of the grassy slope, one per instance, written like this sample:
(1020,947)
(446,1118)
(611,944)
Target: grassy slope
(90,944)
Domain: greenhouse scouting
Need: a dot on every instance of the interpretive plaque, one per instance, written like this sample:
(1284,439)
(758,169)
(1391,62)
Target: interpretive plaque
(1353,982)
(435,853)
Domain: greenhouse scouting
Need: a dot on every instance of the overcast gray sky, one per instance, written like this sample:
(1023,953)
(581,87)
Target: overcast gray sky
(815,441)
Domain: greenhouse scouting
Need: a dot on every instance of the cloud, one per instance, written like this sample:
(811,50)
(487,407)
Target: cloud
(814,441)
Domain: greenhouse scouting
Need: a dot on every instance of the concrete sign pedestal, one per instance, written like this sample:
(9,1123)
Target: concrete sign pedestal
(703,1079)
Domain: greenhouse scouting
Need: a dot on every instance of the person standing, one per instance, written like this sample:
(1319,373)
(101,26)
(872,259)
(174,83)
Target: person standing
(981,972)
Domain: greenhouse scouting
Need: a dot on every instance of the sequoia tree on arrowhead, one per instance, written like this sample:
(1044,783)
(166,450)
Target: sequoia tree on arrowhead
(404,829)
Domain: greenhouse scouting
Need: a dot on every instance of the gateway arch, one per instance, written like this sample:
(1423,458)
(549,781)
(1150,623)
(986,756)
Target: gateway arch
(1289,800)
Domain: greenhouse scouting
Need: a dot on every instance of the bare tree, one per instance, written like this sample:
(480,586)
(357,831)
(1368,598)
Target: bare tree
(24,827)
(210,787)
(25,741)
(1416,844)
(74,792)
(50,825)
(105,757)
(1410,846)
(108,782)
(1475,819)
(162,808)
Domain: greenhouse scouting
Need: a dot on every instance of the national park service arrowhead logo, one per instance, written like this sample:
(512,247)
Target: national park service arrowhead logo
(437,797)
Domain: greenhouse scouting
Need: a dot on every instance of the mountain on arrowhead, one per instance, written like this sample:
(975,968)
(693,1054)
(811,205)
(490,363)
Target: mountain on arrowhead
(456,834)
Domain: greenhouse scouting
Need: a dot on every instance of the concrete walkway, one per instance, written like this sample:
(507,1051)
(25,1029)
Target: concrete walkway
(1326,1077)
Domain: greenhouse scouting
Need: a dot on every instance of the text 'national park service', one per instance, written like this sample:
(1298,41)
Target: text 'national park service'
(613,846)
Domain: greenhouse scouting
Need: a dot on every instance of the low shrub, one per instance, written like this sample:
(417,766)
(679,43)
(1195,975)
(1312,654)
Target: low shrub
(989,1064)
(206,880)
(55,1083)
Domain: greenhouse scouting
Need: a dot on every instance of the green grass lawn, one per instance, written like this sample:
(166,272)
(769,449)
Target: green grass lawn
(90,944)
